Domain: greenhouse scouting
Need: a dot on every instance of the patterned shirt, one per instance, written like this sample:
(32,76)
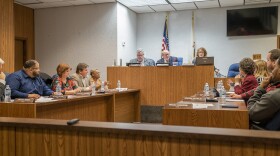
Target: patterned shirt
(68,86)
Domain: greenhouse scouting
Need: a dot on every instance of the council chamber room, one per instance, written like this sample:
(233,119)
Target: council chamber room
(139,77)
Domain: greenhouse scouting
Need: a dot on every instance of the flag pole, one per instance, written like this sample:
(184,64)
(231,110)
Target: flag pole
(193,35)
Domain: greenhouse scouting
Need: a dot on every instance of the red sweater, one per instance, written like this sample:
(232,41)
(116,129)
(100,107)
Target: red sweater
(248,83)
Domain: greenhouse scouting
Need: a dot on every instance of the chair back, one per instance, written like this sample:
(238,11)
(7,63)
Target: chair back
(233,70)
(274,124)
(180,61)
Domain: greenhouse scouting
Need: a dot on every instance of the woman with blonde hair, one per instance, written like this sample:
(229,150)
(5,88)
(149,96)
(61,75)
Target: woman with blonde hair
(261,70)
(67,85)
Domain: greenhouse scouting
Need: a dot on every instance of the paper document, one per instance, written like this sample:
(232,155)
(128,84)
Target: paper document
(44,99)
(234,100)
(199,106)
(121,89)
(229,92)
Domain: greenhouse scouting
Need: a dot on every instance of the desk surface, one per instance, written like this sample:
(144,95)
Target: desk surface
(116,106)
(213,116)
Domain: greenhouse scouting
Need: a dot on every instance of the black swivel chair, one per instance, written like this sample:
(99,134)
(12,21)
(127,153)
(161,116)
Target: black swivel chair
(46,78)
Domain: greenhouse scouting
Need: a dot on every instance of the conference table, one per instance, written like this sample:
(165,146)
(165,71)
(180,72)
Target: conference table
(162,85)
(184,114)
(113,106)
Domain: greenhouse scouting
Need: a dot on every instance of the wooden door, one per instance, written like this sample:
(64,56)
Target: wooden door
(20,53)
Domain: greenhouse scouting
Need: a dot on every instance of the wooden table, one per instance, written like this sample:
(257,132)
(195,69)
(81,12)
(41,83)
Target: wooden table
(116,107)
(214,116)
(162,85)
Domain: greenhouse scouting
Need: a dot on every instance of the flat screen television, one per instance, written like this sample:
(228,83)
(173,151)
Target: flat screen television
(252,21)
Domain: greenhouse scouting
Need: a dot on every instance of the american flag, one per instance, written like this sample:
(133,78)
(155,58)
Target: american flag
(165,42)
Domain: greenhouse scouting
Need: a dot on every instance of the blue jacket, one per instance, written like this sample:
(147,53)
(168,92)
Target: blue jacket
(21,85)
(171,60)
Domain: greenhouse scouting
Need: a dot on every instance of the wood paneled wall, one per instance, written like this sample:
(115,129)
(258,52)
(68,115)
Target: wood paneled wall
(15,22)
(7,34)
(162,85)
(24,28)
(30,137)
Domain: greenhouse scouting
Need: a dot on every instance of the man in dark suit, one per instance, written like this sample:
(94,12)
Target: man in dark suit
(166,58)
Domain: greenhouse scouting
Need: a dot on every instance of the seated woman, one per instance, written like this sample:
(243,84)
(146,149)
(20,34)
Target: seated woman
(260,73)
(249,82)
(201,52)
(68,87)
(261,70)
(95,78)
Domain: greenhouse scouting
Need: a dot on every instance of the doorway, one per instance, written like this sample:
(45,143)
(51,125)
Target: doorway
(20,53)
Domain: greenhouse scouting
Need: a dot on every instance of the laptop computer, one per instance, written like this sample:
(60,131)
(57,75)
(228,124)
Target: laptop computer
(204,61)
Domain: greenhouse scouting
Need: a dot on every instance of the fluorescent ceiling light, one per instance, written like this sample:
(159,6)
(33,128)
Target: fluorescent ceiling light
(131,3)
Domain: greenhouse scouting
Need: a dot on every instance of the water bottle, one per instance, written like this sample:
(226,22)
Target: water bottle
(223,92)
(58,89)
(102,89)
(93,89)
(206,89)
(119,84)
(7,94)
(219,85)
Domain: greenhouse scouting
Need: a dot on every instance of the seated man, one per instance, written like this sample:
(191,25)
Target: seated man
(80,78)
(166,58)
(26,83)
(2,81)
(265,102)
(142,60)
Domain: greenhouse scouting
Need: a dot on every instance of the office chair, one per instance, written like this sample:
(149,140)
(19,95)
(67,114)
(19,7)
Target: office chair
(233,70)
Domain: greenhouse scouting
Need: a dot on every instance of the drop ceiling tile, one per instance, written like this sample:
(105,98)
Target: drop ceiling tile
(184,6)
(159,8)
(130,3)
(38,6)
(102,1)
(248,2)
(226,3)
(59,4)
(49,1)
(80,2)
(142,9)
(26,1)
(207,4)
(180,1)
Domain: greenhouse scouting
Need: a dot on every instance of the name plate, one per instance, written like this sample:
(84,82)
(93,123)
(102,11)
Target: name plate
(24,100)
(83,94)
(59,96)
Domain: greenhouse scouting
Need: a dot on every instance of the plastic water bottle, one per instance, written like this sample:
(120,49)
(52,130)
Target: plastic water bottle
(7,94)
(58,89)
(223,92)
(119,84)
(93,89)
(206,89)
(219,85)
(102,89)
